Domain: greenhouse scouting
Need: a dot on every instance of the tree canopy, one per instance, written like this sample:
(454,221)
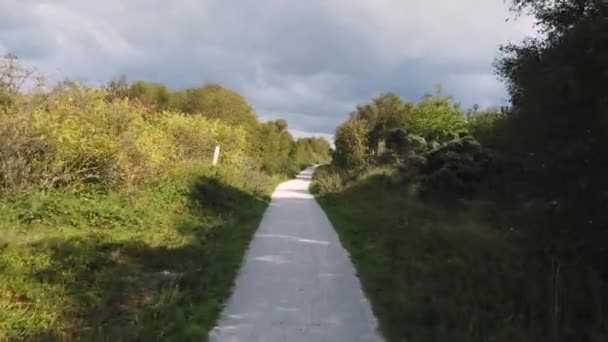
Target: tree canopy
(388,122)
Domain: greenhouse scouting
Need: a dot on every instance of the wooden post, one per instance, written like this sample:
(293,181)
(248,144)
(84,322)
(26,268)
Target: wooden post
(216,155)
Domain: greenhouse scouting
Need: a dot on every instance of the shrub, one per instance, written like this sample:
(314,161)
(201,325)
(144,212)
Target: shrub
(326,179)
(457,167)
(486,127)
(351,144)
(437,118)
(76,137)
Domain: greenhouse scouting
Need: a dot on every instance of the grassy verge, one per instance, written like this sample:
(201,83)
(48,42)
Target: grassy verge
(153,265)
(432,273)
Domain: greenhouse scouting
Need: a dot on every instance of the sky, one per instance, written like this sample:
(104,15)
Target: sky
(309,62)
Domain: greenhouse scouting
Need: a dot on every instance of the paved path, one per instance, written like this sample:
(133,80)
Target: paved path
(297,282)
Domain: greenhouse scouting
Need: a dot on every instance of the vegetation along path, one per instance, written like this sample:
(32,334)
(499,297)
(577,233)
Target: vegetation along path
(297,282)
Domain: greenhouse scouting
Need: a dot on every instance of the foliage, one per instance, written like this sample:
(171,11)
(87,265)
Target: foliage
(437,118)
(486,126)
(216,102)
(557,17)
(310,151)
(454,169)
(397,141)
(77,138)
(557,91)
(326,179)
(14,77)
(351,144)
(382,114)
(212,100)
(153,95)
(281,125)
(273,148)
(556,143)
(387,122)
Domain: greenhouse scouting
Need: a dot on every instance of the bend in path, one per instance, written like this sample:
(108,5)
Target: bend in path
(297,282)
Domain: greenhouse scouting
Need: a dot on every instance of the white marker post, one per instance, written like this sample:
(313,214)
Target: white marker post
(216,155)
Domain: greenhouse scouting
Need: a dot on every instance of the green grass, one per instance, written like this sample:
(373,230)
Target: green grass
(151,265)
(432,273)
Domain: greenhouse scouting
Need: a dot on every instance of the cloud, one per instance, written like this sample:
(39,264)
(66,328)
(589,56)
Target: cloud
(310,61)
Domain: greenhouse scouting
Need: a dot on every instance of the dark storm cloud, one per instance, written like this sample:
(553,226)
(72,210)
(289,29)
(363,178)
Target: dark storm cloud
(310,62)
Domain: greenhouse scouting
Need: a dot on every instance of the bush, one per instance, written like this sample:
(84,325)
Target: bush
(486,127)
(437,118)
(77,138)
(417,143)
(326,179)
(458,167)
(351,144)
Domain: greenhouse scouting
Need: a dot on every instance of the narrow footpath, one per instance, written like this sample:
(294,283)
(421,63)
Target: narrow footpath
(297,282)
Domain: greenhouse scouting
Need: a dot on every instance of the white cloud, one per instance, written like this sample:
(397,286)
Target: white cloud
(308,61)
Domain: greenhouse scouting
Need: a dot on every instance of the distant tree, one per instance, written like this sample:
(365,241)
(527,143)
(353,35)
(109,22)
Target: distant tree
(351,144)
(117,88)
(308,151)
(217,102)
(437,118)
(383,113)
(272,148)
(14,76)
(388,121)
(281,124)
(154,95)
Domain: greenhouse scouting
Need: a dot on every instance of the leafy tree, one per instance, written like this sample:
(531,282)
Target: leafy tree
(117,89)
(388,121)
(308,151)
(281,125)
(216,102)
(383,113)
(557,88)
(351,144)
(437,118)
(486,126)
(556,134)
(153,95)
(272,148)
(14,76)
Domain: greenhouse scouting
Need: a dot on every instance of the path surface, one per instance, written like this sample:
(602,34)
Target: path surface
(297,282)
